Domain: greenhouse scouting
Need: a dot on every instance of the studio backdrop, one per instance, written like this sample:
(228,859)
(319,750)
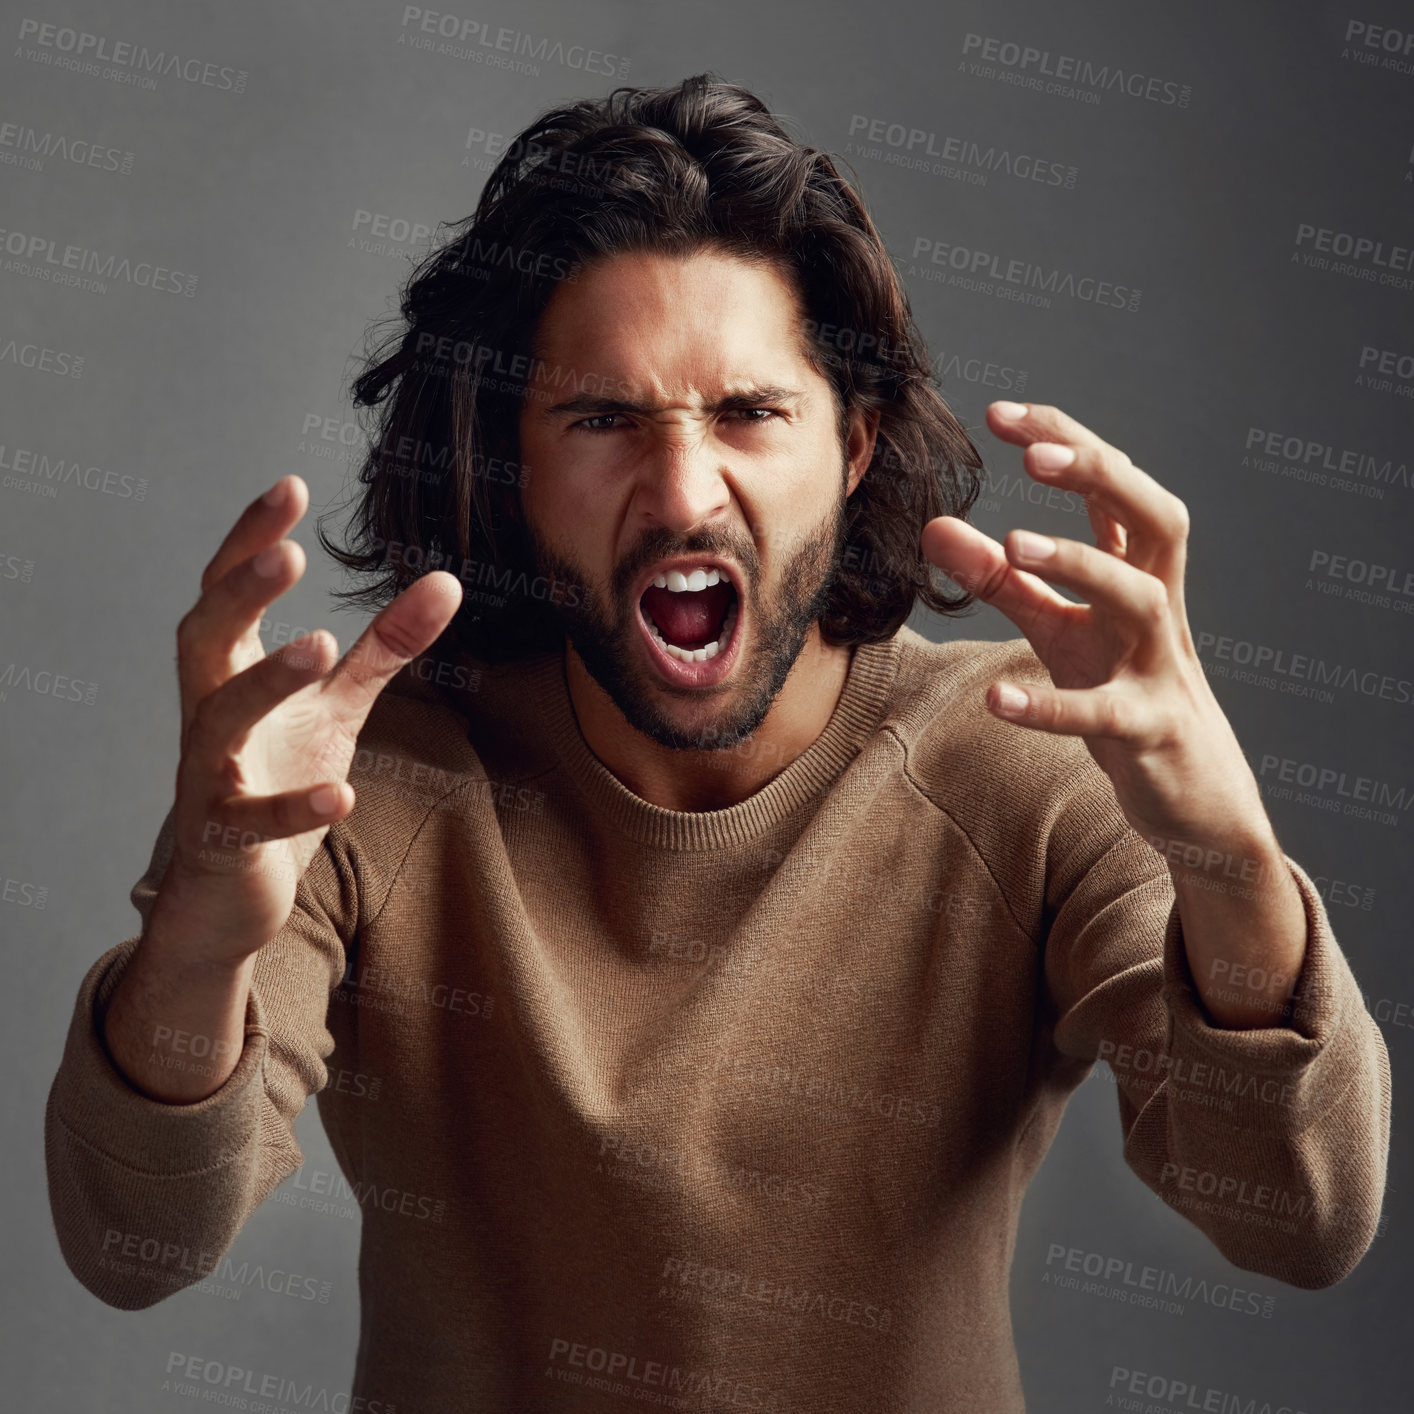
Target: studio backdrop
(1188,226)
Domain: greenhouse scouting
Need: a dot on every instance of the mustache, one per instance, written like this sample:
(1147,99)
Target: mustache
(661,547)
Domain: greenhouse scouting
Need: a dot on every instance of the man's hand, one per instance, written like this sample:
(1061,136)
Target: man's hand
(1128,681)
(268,739)
(267,744)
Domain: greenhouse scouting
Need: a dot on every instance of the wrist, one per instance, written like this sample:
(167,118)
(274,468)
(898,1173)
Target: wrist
(1243,860)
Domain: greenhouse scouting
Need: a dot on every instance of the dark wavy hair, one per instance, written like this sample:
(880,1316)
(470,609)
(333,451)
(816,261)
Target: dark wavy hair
(703,165)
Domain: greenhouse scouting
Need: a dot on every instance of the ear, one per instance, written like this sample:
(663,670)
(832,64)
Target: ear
(859,444)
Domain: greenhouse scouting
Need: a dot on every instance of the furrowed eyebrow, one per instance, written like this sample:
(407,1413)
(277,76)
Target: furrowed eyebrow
(594,404)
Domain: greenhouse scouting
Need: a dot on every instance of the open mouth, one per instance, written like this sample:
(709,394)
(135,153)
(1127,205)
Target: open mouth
(691,616)
(690,619)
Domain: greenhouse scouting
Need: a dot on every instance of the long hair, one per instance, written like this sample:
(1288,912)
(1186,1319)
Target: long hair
(672,171)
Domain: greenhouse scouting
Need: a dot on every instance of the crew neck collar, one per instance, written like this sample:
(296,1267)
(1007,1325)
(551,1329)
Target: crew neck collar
(867,686)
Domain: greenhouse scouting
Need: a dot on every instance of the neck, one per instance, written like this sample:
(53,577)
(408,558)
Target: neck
(712,780)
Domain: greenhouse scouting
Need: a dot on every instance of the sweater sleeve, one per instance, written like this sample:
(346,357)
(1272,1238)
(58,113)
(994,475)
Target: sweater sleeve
(1273,1140)
(147,1196)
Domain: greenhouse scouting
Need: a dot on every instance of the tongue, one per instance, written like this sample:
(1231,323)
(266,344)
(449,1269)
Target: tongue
(691,619)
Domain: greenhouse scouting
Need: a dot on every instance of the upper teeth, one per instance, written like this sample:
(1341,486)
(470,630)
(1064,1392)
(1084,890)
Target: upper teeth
(677,581)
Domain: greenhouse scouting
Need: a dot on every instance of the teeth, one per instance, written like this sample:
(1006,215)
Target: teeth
(696,655)
(678,582)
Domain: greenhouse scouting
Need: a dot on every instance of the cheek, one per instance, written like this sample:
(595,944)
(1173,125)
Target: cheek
(547,494)
(572,513)
(798,492)
(569,518)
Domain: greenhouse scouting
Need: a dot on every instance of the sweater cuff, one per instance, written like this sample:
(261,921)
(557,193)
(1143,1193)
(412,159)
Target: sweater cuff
(102,1110)
(1278,1077)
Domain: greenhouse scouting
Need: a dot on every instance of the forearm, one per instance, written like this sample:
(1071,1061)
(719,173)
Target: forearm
(175,1024)
(1244,925)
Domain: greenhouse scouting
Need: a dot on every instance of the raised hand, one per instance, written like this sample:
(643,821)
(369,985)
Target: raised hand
(267,740)
(1126,674)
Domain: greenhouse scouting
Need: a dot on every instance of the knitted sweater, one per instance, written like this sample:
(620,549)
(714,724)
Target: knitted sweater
(721,1109)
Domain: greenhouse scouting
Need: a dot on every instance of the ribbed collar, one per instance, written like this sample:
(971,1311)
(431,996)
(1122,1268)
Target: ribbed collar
(866,690)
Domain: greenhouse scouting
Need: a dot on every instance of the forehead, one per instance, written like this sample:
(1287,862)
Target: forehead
(662,323)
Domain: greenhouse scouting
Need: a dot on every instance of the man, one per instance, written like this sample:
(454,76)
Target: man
(724,950)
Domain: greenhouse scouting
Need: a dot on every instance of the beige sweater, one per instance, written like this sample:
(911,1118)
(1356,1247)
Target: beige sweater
(729,1109)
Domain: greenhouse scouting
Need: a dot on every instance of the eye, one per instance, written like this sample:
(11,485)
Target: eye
(600,417)
(587,424)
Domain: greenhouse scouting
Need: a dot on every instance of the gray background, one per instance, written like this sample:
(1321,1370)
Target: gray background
(207,398)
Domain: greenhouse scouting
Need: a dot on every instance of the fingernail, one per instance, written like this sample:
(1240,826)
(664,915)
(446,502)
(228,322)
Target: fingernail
(267,562)
(1051,456)
(1010,411)
(1009,698)
(1034,547)
(276,493)
(324,800)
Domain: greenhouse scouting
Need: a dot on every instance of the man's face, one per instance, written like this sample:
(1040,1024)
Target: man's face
(673,423)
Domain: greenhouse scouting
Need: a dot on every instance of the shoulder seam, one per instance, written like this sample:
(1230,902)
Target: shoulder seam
(421,825)
(396,872)
(908,776)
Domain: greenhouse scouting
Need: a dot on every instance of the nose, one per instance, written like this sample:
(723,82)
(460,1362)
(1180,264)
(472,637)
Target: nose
(682,481)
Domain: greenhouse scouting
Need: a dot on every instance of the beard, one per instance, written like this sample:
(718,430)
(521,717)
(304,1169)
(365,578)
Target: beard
(601,627)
